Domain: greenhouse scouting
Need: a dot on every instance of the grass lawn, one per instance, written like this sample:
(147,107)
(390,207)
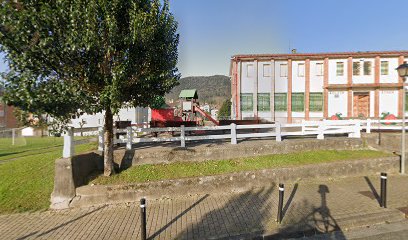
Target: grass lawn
(147,173)
(26,182)
(29,145)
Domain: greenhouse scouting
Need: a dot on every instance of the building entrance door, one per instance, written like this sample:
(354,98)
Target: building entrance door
(361,105)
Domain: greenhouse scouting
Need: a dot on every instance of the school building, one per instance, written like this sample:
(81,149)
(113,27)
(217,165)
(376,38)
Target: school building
(313,86)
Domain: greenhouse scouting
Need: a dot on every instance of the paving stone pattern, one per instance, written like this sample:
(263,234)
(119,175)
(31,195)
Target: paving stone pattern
(311,206)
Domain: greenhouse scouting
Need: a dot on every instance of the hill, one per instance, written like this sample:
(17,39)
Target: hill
(212,89)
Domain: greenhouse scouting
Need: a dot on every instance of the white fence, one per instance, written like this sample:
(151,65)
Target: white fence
(182,134)
(234,132)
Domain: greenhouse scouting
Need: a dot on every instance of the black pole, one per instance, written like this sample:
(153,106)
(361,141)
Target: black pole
(384,190)
(280,205)
(143,218)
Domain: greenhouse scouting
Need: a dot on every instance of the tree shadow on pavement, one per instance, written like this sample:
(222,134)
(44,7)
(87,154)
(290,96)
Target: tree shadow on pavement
(42,234)
(246,212)
(318,222)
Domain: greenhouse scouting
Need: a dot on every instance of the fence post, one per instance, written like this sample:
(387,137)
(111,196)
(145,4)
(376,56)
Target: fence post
(320,130)
(278,130)
(233,133)
(100,139)
(13,136)
(183,136)
(69,147)
(357,133)
(303,127)
(129,138)
(368,129)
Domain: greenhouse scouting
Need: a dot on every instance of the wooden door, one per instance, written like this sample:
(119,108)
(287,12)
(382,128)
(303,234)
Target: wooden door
(361,106)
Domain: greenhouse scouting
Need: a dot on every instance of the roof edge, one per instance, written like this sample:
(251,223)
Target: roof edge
(321,55)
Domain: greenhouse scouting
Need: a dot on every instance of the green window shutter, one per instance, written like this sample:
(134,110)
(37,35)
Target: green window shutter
(406,101)
(281,102)
(247,102)
(264,102)
(298,102)
(316,102)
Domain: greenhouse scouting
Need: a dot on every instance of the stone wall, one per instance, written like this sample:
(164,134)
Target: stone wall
(71,173)
(234,182)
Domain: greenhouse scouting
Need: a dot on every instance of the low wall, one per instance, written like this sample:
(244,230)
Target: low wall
(71,173)
(242,181)
(223,150)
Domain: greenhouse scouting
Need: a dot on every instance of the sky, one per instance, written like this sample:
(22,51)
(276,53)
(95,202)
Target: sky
(211,31)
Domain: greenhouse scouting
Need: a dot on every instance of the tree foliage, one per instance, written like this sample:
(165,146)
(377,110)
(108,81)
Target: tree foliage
(96,55)
(225,110)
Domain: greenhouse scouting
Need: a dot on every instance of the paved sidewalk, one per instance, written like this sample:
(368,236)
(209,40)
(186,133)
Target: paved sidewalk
(311,206)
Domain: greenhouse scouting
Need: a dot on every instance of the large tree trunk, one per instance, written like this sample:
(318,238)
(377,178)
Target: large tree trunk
(108,141)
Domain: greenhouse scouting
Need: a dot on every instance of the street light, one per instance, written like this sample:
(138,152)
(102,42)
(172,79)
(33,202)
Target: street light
(403,73)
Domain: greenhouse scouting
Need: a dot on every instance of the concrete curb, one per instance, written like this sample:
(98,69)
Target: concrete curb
(235,182)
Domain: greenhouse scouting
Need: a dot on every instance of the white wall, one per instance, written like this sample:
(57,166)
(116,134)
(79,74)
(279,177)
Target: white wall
(392,76)
(281,83)
(337,103)
(364,78)
(333,78)
(265,77)
(248,75)
(298,83)
(389,102)
(316,82)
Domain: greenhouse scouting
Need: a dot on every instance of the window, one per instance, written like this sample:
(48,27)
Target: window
(267,70)
(316,102)
(247,102)
(250,70)
(283,70)
(339,69)
(356,68)
(298,102)
(319,69)
(301,70)
(384,67)
(281,102)
(367,68)
(264,102)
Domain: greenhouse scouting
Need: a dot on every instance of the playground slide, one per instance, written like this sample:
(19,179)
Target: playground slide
(203,113)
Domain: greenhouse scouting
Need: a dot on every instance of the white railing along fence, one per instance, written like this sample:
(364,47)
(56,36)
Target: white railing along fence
(182,134)
(235,132)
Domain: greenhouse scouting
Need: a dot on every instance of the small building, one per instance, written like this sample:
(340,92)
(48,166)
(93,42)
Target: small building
(314,86)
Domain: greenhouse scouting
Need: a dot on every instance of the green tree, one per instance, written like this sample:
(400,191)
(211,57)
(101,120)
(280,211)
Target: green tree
(225,110)
(72,56)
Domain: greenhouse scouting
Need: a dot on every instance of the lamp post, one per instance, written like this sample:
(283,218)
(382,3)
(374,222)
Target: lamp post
(403,73)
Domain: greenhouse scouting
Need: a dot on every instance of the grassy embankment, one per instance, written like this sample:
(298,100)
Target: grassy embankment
(27,172)
(147,173)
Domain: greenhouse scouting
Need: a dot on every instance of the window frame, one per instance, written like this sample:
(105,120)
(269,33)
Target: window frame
(285,72)
(321,66)
(367,66)
(248,67)
(300,107)
(301,65)
(284,106)
(269,72)
(264,98)
(318,107)
(247,107)
(383,69)
(357,68)
(337,68)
